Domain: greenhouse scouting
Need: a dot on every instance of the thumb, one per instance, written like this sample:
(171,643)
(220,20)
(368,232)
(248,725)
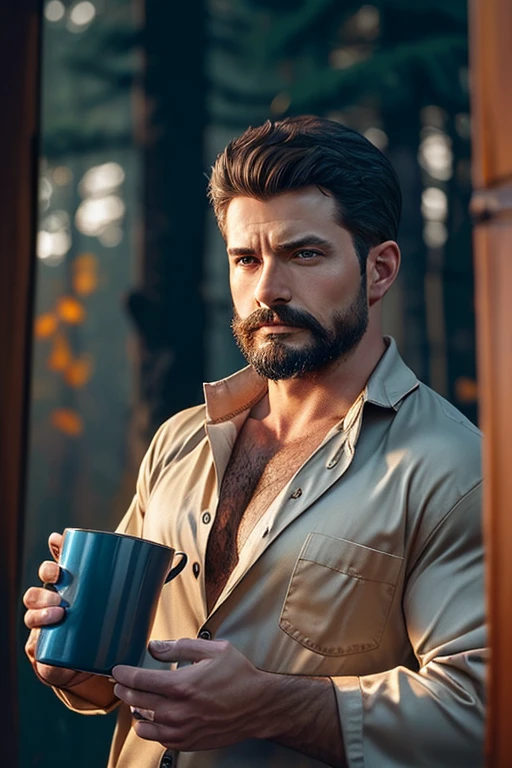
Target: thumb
(184,649)
(161,649)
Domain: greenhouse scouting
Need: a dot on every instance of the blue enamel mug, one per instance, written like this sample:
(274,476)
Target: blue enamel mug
(109,584)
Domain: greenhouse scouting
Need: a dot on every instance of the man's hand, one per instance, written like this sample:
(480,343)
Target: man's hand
(44,609)
(221,699)
(212,703)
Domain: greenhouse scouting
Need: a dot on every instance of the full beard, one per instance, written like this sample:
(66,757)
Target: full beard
(276,360)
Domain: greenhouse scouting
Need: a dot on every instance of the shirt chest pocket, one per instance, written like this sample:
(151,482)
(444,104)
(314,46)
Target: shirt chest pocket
(339,596)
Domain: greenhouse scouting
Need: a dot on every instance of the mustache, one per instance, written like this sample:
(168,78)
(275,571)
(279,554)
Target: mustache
(298,318)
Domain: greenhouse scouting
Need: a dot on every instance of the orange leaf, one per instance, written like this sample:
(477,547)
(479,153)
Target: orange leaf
(60,356)
(85,261)
(85,283)
(85,274)
(70,310)
(67,421)
(78,372)
(45,325)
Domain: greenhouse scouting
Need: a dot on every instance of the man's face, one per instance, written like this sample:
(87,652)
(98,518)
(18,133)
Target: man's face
(299,299)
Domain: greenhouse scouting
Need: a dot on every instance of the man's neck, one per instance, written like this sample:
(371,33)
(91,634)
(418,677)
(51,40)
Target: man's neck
(295,406)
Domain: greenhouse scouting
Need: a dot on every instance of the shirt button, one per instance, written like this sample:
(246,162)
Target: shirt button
(196,569)
(167,761)
(296,494)
(206,518)
(205,634)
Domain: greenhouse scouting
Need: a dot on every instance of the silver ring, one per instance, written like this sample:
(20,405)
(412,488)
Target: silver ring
(143,714)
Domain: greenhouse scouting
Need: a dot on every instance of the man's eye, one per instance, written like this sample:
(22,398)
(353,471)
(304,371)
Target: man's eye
(306,254)
(245,261)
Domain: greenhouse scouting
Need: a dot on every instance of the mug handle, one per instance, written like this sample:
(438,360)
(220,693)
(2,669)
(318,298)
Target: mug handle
(177,568)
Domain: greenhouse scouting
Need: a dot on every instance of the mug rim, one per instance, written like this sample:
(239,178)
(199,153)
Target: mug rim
(122,536)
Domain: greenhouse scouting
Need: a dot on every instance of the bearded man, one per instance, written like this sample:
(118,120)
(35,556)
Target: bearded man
(328,501)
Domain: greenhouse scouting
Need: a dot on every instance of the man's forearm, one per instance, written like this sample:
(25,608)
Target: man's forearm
(301,713)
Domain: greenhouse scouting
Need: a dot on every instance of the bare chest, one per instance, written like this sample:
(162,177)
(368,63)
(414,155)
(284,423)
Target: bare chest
(257,472)
(256,477)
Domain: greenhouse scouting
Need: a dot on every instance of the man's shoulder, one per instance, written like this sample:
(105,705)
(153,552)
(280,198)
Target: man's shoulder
(180,426)
(180,432)
(436,452)
(433,421)
(184,421)
(440,449)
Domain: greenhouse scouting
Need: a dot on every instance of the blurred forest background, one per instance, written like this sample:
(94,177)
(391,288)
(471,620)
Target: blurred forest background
(132,302)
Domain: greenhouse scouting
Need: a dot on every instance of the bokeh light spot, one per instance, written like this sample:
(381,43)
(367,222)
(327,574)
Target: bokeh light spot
(67,421)
(466,390)
(377,137)
(62,175)
(85,274)
(83,13)
(78,373)
(54,10)
(70,310)
(280,103)
(45,325)
(60,356)
(434,204)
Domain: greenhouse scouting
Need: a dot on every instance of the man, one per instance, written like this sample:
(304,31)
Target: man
(329,503)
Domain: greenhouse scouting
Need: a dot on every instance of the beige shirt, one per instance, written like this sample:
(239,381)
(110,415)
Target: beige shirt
(367,568)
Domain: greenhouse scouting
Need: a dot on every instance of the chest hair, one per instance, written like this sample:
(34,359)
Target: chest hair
(258,470)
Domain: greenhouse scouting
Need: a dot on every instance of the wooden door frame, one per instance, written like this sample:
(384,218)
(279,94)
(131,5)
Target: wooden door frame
(20,25)
(491,64)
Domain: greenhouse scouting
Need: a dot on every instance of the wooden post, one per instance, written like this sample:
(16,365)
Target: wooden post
(19,63)
(491,64)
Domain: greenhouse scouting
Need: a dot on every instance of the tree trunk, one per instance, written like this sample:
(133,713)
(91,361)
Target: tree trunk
(168,307)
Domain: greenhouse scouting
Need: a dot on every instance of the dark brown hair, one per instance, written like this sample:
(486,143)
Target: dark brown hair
(298,152)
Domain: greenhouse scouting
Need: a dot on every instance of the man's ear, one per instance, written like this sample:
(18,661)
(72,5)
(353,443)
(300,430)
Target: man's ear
(382,265)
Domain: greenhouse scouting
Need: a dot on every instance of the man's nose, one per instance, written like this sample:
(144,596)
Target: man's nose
(272,287)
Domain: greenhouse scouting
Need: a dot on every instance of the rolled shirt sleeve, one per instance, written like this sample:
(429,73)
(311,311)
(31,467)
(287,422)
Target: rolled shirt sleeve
(433,716)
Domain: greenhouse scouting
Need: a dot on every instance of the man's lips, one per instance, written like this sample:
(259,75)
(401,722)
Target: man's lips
(277,327)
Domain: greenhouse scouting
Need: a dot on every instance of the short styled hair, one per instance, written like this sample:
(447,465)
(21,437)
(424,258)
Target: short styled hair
(297,152)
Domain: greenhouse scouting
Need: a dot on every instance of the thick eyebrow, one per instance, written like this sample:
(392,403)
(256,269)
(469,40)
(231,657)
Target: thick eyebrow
(289,245)
(302,242)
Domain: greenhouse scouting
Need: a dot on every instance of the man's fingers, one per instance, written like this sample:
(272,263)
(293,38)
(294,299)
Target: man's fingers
(152,732)
(49,572)
(139,699)
(43,607)
(42,617)
(37,597)
(55,544)
(168,736)
(185,649)
(149,680)
(163,682)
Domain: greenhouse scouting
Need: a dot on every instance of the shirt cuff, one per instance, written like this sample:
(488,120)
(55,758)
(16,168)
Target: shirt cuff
(349,700)
(78,704)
